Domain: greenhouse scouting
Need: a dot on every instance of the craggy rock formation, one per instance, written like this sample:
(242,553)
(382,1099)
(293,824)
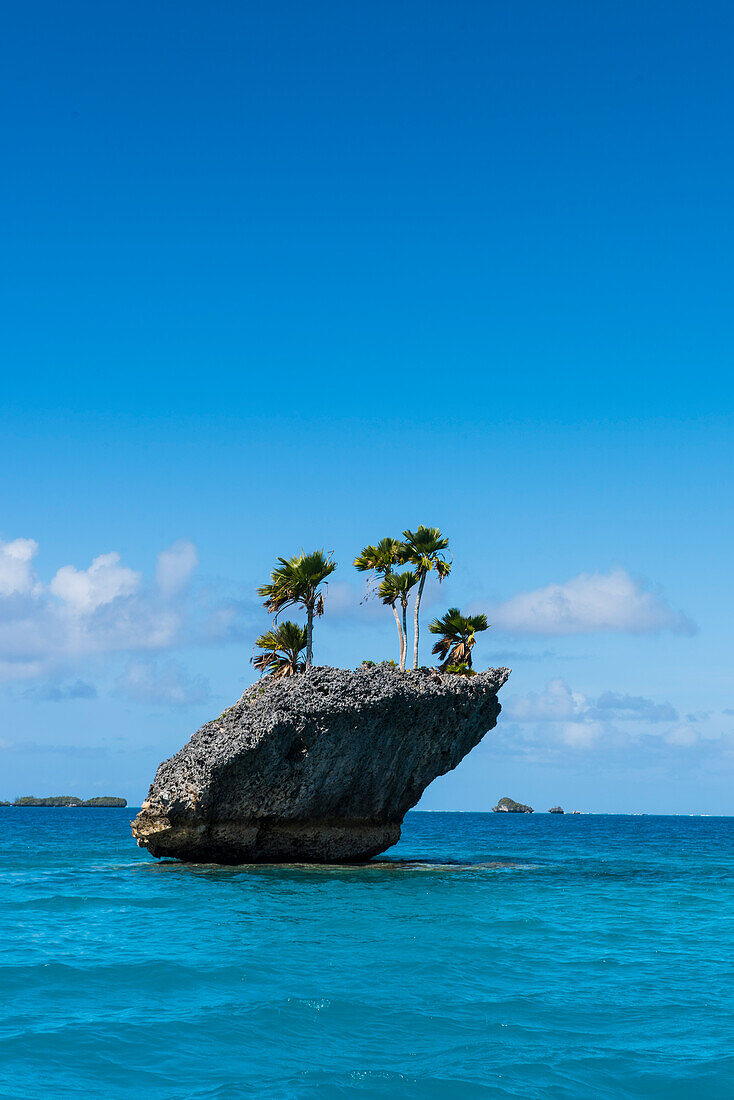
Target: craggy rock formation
(507,806)
(320,767)
(555,810)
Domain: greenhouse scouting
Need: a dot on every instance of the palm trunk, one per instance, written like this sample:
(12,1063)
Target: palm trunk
(404,646)
(400,633)
(416,622)
(309,638)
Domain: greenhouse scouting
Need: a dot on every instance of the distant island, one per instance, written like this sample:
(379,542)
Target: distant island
(509,806)
(68,800)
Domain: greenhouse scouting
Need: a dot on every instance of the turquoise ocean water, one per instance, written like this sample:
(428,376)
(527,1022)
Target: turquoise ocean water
(492,956)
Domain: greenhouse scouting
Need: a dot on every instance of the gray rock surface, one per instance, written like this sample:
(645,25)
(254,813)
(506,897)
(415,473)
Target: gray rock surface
(509,806)
(320,767)
(555,810)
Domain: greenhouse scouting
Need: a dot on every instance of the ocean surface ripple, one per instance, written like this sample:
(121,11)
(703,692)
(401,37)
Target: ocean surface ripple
(488,955)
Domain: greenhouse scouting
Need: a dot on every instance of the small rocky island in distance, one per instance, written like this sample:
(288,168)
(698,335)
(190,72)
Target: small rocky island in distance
(69,800)
(509,806)
(320,764)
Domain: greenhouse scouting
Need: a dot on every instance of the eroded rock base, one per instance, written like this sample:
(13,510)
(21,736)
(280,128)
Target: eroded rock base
(234,842)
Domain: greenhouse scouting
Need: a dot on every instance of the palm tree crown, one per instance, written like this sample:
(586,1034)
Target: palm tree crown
(282,648)
(424,549)
(395,589)
(457,636)
(380,559)
(295,581)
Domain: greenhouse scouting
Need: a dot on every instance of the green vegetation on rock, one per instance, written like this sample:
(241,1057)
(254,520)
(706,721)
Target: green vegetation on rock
(106,802)
(424,550)
(281,650)
(457,635)
(380,559)
(298,581)
(69,800)
(54,800)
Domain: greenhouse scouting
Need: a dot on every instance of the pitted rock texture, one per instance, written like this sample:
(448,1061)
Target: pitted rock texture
(321,767)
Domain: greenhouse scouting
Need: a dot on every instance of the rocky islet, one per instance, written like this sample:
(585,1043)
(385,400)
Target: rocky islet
(509,806)
(319,767)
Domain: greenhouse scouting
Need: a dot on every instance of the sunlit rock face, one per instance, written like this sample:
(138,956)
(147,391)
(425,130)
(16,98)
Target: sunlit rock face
(320,767)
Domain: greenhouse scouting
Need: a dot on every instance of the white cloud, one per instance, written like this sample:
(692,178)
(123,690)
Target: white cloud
(84,590)
(565,716)
(581,735)
(556,703)
(16,571)
(107,608)
(588,603)
(167,684)
(682,735)
(634,707)
(175,567)
(557,715)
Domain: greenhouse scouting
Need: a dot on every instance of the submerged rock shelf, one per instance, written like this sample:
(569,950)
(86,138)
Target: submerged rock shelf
(320,767)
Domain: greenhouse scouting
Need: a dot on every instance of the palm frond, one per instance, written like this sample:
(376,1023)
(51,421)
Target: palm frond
(296,581)
(396,587)
(281,650)
(423,549)
(457,636)
(380,558)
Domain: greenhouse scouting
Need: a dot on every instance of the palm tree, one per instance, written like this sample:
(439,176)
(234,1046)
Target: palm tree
(295,581)
(457,636)
(424,551)
(282,648)
(396,589)
(380,559)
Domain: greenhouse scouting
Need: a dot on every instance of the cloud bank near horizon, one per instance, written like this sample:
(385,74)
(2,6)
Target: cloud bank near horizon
(107,609)
(540,723)
(104,609)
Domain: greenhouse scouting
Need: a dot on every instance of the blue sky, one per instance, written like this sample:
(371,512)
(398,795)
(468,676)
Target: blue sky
(305,275)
